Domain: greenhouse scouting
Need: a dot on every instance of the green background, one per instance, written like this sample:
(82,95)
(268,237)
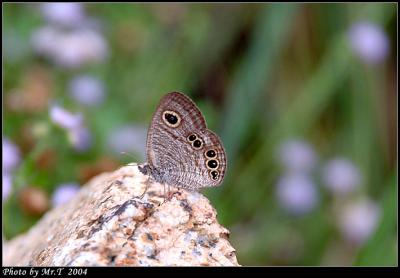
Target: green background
(261,74)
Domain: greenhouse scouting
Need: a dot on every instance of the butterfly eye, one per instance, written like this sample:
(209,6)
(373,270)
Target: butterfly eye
(171,118)
(197,144)
(212,164)
(214,175)
(192,137)
(210,154)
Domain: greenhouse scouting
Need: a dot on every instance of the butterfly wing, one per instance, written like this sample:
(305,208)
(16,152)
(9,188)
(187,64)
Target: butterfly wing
(178,142)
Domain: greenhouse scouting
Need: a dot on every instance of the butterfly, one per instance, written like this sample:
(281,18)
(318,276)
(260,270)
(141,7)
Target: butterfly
(181,150)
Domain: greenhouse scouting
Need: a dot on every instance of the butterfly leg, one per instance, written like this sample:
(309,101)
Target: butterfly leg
(163,195)
(167,194)
(147,182)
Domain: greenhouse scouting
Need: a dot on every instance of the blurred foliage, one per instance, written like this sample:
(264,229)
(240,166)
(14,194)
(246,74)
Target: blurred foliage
(261,74)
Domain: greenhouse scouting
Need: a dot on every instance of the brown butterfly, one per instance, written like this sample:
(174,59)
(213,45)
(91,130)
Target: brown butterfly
(181,151)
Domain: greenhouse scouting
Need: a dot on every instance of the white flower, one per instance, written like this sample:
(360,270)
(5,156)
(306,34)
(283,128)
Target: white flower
(87,90)
(297,156)
(80,47)
(7,185)
(11,155)
(80,138)
(296,193)
(70,49)
(359,220)
(369,42)
(64,14)
(341,176)
(64,118)
(45,40)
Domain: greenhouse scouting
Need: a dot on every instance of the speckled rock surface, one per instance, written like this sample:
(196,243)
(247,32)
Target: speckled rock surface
(108,224)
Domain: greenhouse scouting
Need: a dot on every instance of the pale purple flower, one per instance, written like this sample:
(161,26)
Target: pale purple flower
(80,47)
(78,135)
(64,193)
(63,14)
(87,90)
(297,156)
(65,118)
(7,185)
(358,221)
(341,176)
(296,193)
(129,138)
(80,138)
(11,155)
(369,41)
(70,49)
(45,41)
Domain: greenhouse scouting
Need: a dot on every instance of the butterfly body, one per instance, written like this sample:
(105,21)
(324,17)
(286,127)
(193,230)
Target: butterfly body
(181,151)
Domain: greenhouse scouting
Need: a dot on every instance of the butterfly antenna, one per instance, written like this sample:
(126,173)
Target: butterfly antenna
(128,154)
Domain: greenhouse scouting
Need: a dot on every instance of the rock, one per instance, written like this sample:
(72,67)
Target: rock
(108,224)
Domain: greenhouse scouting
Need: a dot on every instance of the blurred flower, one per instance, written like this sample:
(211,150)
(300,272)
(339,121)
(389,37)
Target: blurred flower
(87,90)
(45,40)
(7,185)
(359,220)
(296,193)
(369,42)
(80,47)
(64,118)
(297,156)
(70,49)
(64,193)
(33,201)
(129,138)
(64,14)
(35,92)
(11,159)
(341,176)
(78,135)
(80,138)
(11,156)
